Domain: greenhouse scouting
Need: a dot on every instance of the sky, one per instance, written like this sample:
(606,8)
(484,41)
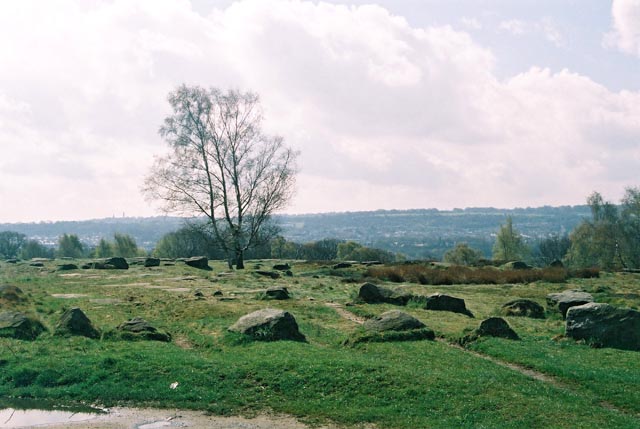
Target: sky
(392,104)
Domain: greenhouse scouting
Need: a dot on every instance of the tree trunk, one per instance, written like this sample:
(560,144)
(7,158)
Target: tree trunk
(239,259)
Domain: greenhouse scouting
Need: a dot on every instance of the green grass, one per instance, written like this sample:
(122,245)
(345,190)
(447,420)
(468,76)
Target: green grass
(421,384)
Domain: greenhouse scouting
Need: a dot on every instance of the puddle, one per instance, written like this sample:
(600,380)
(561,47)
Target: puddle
(28,413)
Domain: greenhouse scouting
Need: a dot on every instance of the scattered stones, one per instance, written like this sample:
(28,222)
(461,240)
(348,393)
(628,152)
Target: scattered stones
(12,294)
(279,293)
(603,325)
(440,302)
(75,322)
(274,275)
(268,325)
(152,262)
(393,320)
(341,265)
(67,267)
(139,329)
(523,308)
(282,267)
(200,262)
(18,325)
(563,301)
(374,294)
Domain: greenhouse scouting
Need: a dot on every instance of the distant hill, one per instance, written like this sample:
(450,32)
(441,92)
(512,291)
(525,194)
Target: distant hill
(420,233)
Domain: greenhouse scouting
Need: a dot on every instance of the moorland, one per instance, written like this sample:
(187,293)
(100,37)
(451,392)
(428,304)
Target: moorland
(544,379)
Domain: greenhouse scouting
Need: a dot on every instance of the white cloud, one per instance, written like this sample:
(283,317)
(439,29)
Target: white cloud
(625,34)
(386,115)
(545,27)
(471,23)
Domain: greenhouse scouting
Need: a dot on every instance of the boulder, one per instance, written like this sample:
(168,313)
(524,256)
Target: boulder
(393,320)
(440,302)
(18,325)
(217,293)
(11,294)
(563,301)
(67,267)
(152,262)
(117,262)
(496,327)
(36,264)
(139,329)
(374,294)
(198,293)
(516,265)
(282,267)
(274,275)
(279,293)
(557,263)
(341,265)
(12,261)
(75,322)
(523,308)
(268,325)
(604,325)
(200,262)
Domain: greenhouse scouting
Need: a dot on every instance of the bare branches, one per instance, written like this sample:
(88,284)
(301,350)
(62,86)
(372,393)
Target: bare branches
(222,166)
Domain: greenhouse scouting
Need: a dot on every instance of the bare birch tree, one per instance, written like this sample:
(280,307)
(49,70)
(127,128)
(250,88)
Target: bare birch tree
(222,166)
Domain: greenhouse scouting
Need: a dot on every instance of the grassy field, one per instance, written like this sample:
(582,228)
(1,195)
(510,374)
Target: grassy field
(420,384)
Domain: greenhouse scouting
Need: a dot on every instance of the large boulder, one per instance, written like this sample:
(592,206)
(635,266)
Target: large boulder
(374,294)
(564,300)
(18,325)
(273,274)
(516,265)
(268,325)
(75,322)
(117,262)
(139,329)
(11,294)
(440,302)
(282,267)
(152,262)
(279,293)
(523,308)
(496,327)
(200,262)
(604,325)
(341,265)
(67,267)
(393,320)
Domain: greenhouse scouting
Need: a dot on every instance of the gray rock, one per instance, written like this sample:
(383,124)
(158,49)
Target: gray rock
(496,327)
(440,302)
(268,325)
(341,265)
(556,264)
(117,262)
(75,322)
(18,325)
(67,267)
(374,294)
(516,265)
(152,262)
(279,293)
(36,264)
(282,267)
(274,275)
(523,308)
(604,325)
(12,294)
(139,329)
(200,262)
(564,300)
(393,320)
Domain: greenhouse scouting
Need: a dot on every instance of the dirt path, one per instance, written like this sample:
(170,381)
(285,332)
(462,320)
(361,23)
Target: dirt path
(339,308)
(149,418)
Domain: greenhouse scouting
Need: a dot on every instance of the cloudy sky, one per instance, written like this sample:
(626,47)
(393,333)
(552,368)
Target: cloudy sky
(391,103)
